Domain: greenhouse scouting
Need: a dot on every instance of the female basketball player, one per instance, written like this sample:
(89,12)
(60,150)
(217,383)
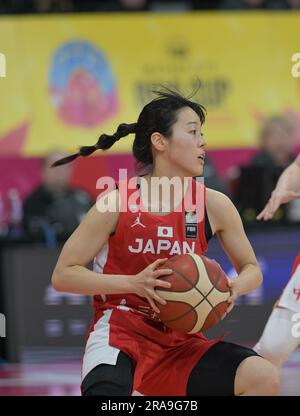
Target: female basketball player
(129,350)
(278,340)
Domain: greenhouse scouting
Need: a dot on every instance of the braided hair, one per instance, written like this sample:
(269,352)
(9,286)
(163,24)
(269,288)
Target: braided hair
(104,142)
(158,115)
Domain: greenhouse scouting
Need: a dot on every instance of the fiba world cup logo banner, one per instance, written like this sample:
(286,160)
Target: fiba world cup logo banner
(82,86)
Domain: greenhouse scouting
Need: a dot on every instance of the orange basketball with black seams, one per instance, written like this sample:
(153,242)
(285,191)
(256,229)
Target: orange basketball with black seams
(198,297)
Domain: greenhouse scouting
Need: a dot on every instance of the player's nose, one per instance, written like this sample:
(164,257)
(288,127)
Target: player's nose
(201,141)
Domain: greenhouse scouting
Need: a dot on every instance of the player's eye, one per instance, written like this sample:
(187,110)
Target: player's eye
(195,132)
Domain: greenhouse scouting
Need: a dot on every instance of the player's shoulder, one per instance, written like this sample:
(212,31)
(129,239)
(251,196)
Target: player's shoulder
(104,213)
(220,208)
(215,197)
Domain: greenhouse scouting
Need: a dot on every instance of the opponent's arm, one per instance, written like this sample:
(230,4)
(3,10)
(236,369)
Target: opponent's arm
(287,189)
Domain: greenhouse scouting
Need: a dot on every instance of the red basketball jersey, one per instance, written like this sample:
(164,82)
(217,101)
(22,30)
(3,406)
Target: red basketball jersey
(141,238)
(162,358)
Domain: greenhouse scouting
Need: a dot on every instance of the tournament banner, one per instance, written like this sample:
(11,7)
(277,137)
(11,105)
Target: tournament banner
(70,77)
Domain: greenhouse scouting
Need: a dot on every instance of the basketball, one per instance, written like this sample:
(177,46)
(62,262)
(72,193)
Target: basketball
(198,296)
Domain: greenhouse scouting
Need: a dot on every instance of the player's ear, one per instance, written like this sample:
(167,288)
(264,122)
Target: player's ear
(158,141)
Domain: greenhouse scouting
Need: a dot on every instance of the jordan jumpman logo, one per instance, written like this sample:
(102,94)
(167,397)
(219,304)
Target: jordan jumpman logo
(138,221)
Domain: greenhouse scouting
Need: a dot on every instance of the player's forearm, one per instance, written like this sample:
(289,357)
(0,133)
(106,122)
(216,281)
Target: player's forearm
(290,178)
(78,279)
(249,278)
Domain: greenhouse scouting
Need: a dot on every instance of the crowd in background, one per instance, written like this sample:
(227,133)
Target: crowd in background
(45,214)
(53,209)
(57,6)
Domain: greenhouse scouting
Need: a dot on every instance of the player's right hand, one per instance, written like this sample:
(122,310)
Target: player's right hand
(277,198)
(147,280)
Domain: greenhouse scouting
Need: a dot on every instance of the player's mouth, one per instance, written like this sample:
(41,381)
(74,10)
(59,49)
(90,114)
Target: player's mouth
(201,157)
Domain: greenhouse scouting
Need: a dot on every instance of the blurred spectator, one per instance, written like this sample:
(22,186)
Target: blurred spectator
(57,6)
(110,6)
(54,210)
(211,178)
(53,6)
(171,6)
(252,4)
(132,5)
(257,180)
(293,4)
(36,6)
(276,141)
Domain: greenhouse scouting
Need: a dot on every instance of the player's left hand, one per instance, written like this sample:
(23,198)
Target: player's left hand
(233,296)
